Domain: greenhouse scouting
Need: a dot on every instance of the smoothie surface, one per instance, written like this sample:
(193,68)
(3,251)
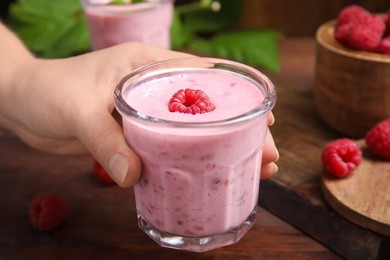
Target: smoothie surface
(232,95)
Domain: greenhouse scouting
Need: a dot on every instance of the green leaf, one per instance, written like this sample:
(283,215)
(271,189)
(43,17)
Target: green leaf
(180,35)
(254,47)
(208,21)
(56,29)
(52,29)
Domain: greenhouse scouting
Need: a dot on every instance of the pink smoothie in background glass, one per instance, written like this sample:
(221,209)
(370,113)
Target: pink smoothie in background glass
(201,173)
(148,22)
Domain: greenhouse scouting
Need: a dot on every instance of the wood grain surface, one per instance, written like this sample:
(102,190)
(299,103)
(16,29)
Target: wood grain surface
(102,220)
(364,196)
(297,18)
(351,90)
(295,194)
(294,222)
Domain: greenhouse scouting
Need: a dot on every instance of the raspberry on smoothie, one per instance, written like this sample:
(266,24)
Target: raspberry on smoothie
(190,101)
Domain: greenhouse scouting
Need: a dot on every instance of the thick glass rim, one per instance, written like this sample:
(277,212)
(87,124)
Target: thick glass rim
(267,88)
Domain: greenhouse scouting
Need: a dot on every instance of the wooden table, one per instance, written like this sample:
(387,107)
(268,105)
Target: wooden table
(102,221)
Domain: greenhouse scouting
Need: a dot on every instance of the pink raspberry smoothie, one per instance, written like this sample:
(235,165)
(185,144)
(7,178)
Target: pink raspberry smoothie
(200,173)
(147,22)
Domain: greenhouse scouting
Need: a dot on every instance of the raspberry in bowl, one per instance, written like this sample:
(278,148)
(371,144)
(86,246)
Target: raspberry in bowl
(199,126)
(352,83)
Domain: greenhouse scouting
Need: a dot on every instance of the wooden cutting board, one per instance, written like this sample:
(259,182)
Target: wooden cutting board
(364,196)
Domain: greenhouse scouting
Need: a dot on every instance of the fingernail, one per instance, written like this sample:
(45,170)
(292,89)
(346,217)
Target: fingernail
(118,166)
(277,155)
(276,168)
(271,119)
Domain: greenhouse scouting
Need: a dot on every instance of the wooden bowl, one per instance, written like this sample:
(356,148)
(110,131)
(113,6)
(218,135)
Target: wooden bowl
(352,89)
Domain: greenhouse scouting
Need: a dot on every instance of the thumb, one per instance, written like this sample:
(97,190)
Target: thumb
(106,142)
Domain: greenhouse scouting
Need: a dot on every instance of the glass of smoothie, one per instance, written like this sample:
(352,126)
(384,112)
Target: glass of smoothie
(199,126)
(110,24)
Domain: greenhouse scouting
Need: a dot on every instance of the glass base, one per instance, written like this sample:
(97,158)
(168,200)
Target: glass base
(197,244)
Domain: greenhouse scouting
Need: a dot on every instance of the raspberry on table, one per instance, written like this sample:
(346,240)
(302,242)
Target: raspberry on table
(341,157)
(190,101)
(101,174)
(378,139)
(47,211)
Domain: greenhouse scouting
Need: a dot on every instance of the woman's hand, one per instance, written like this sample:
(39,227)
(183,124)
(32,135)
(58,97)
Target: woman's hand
(66,106)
